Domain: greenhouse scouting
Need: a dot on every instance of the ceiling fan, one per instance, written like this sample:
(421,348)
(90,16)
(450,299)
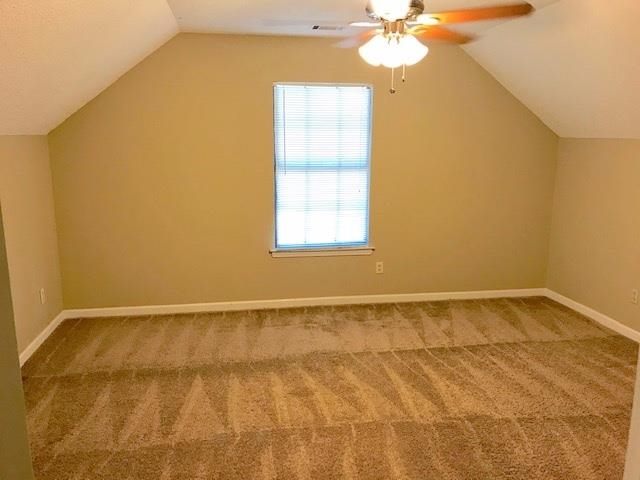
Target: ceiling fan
(399,25)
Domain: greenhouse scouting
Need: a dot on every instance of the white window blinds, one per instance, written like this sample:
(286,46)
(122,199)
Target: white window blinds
(322,157)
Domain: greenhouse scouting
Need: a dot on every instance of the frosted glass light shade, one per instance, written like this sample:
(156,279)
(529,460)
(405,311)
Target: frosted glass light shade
(393,52)
(412,50)
(372,51)
(391,9)
(392,56)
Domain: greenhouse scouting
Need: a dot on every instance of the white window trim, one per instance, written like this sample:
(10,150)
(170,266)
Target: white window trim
(321,252)
(333,251)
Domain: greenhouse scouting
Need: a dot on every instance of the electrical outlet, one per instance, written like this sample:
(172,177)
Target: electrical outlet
(379,267)
(43,297)
(634,296)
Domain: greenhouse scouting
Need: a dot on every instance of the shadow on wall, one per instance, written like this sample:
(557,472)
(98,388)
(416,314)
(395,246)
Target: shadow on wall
(15,459)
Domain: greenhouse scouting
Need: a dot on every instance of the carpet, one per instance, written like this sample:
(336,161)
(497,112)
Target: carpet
(481,389)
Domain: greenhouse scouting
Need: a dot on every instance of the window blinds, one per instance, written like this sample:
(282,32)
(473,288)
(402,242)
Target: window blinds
(322,157)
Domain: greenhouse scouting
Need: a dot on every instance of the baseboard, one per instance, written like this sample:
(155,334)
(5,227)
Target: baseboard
(39,340)
(297,302)
(320,301)
(601,318)
(262,304)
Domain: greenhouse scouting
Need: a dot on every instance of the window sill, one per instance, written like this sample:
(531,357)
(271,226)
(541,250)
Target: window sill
(322,252)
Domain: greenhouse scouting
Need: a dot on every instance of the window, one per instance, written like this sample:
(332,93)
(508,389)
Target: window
(322,158)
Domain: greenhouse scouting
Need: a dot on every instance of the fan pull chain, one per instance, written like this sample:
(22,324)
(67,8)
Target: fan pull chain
(404,73)
(392,89)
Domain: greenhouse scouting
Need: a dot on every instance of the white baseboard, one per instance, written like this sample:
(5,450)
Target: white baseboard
(601,318)
(297,302)
(263,304)
(39,340)
(319,301)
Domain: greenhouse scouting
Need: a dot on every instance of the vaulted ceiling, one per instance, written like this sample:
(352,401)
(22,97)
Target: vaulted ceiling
(288,17)
(56,55)
(574,63)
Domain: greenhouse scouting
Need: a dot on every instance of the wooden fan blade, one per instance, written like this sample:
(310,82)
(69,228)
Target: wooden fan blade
(356,40)
(487,13)
(364,24)
(440,33)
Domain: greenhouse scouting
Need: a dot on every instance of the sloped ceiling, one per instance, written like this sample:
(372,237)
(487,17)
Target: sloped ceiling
(289,17)
(575,63)
(56,55)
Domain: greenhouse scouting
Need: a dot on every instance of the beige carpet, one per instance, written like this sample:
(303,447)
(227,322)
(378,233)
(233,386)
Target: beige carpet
(492,389)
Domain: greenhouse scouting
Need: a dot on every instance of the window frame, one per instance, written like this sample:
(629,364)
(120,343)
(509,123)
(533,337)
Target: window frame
(329,250)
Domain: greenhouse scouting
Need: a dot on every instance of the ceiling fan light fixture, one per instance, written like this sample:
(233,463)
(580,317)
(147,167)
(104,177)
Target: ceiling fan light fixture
(393,51)
(391,10)
(404,23)
(382,50)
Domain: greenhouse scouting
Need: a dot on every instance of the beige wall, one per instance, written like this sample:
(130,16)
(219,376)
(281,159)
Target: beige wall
(15,458)
(27,203)
(595,240)
(163,183)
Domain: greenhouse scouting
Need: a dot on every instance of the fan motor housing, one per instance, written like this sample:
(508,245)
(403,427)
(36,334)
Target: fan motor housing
(415,9)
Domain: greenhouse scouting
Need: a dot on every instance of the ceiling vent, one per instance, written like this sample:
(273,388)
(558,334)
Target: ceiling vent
(332,28)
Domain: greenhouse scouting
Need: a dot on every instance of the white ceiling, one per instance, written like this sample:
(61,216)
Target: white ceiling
(575,63)
(56,55)
(288,17)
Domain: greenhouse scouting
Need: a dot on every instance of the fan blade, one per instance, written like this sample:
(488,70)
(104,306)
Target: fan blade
(356,40)
(365,24)
(439,33)
(488,13)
